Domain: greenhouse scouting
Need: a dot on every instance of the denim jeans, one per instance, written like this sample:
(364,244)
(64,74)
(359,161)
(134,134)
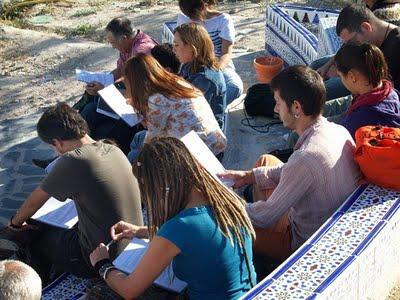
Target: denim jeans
(136,145)
(234,84)
(334,86)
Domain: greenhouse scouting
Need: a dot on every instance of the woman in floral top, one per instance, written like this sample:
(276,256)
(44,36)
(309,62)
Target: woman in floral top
(170,105)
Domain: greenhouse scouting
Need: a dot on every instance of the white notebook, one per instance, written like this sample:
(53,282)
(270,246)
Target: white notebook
(57,213)
(129,259)
(105,78)
(204,156)
(117,102)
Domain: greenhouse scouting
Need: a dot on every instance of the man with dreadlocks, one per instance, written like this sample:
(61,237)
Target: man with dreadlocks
(194,222)
(317,178)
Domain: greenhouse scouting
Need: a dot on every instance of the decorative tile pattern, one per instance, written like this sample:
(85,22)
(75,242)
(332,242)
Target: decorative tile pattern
(346,255)
(65,287)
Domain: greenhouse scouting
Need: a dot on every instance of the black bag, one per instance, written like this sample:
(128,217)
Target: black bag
(259,101)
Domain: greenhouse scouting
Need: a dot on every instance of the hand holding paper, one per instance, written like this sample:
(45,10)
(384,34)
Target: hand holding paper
(205,157)
(103,78)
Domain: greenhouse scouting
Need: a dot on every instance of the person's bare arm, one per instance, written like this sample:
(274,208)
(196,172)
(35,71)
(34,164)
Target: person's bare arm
(157,257)
(227,48)
(31,205)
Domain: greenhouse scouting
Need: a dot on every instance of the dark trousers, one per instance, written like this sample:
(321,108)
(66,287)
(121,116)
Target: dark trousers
(59,250)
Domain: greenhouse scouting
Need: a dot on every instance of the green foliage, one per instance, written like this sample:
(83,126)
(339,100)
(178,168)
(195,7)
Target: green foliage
(81,30)
(83,12)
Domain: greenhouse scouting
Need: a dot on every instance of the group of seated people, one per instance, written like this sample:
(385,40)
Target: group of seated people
(203,228)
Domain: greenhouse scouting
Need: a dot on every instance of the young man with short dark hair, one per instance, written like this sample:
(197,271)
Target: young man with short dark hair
(358,23)
(97,176)
(292,200)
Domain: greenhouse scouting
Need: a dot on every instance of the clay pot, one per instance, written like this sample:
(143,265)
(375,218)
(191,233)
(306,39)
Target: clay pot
(267,67)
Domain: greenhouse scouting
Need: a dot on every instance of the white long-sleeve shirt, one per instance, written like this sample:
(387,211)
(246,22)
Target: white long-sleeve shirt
(318,177)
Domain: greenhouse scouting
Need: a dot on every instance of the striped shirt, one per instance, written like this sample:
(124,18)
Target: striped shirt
(318,177)
(219,27)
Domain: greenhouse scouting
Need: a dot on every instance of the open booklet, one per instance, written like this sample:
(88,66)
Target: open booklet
(117,102)
(205,157)
(57,213)
(129,259)
(105,78)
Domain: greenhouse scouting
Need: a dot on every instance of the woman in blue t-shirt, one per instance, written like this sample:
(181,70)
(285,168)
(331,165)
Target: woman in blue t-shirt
(195,50)
(196,223)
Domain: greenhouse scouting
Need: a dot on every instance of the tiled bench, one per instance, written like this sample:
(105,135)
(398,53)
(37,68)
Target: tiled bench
(354,255)
(286,37)
(65,287)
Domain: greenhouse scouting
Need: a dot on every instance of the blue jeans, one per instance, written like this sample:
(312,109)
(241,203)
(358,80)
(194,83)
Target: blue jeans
(234,84)
(334,86)
(136,145)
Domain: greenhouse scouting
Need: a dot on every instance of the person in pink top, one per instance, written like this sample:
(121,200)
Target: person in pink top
(121,36)
(292,200)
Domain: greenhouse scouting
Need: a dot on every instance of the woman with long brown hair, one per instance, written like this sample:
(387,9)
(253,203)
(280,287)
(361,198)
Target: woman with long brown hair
(170,105)
(195,222)
(195,50)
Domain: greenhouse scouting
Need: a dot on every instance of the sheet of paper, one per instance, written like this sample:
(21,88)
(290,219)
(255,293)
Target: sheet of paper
(103,108)
(129,259)
(105,78)
(117,102)
(203,154)
(57,213)
(51,165)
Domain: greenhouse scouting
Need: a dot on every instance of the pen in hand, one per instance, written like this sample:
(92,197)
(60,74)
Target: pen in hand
(110,243)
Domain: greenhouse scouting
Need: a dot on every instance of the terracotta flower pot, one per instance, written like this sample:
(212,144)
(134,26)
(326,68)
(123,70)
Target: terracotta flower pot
(267,67)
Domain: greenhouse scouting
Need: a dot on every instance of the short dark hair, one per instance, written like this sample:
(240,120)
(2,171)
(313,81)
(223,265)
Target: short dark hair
(165,55)
(366,58)
(120,27)
(193,8)
(303,84)
(352,16)
(61,122)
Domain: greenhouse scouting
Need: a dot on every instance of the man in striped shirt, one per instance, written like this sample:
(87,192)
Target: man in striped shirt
(292,200)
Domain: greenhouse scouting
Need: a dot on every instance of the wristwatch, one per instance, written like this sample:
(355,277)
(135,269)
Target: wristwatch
(104,269)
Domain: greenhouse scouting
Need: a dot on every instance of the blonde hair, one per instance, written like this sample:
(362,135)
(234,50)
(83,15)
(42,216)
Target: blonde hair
(198,39)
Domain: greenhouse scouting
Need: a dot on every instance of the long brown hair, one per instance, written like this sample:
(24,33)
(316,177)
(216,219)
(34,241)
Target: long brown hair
(199,40)
(367,59)
(145,76)
(169,173)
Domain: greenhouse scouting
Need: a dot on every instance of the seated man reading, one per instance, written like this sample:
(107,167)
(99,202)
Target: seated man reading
(292,200)
(128,42)
(97,176)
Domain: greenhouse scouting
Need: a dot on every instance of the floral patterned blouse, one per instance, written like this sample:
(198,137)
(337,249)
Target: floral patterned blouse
(172,117)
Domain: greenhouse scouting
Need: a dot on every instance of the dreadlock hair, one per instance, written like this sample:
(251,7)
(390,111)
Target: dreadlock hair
(169,173)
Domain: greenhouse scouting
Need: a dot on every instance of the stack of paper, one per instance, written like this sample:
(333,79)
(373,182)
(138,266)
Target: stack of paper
(117,102)
(129,259)
(57,213)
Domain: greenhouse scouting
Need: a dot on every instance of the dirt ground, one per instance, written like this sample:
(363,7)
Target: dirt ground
(38,62)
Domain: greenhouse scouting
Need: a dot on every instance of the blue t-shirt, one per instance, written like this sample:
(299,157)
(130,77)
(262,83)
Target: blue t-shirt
(208,262)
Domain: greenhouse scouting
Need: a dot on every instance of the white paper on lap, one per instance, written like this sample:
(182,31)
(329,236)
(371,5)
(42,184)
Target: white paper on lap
(129,259)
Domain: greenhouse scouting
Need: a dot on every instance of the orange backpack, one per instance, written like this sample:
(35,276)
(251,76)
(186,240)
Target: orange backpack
(378,154)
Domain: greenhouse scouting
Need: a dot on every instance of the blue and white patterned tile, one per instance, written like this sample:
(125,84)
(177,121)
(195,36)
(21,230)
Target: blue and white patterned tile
(313,268)
(66,287)
(277,291)
(343,284)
